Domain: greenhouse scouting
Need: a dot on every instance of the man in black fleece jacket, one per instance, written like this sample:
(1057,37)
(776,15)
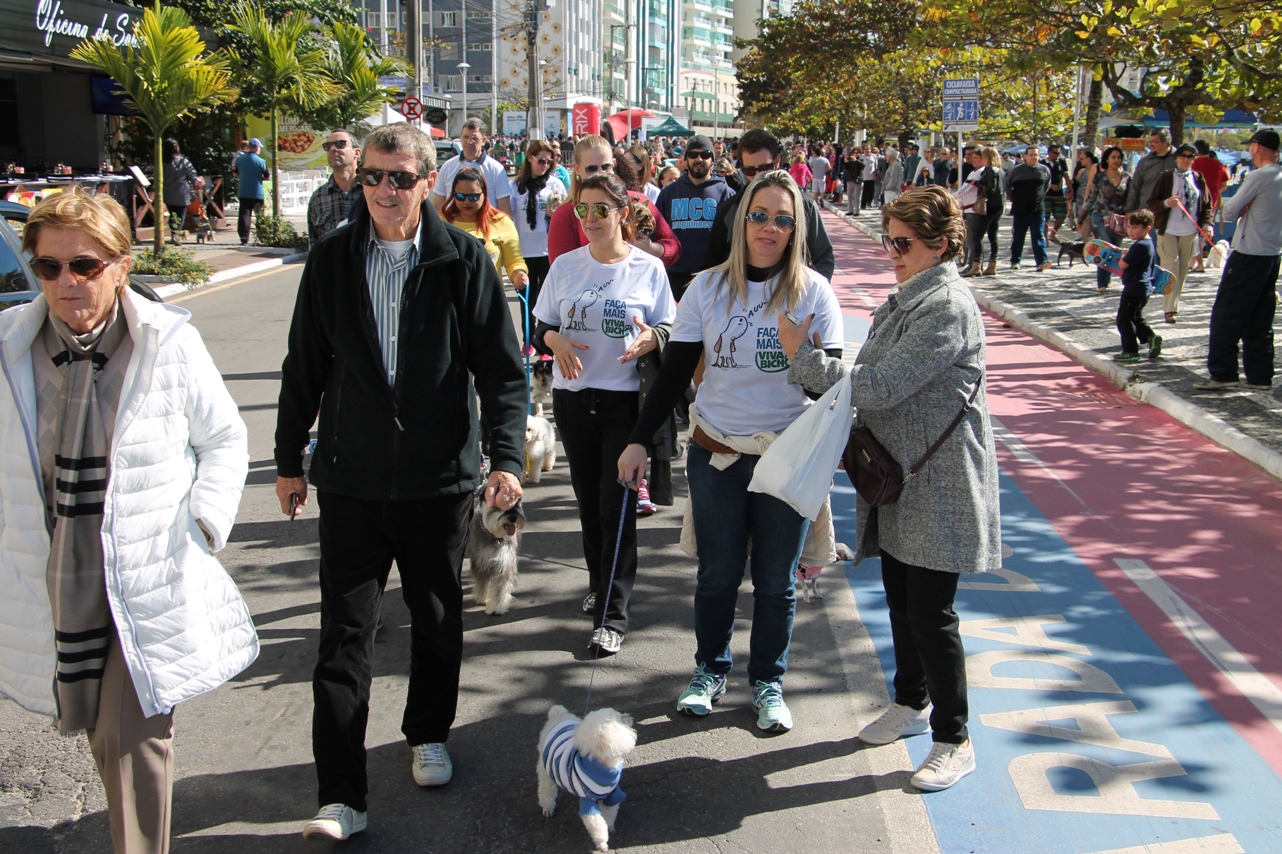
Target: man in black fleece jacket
(1026,188)
(399,325)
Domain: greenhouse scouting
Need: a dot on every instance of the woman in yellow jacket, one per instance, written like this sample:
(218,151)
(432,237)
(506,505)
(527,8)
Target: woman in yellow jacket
(468,207)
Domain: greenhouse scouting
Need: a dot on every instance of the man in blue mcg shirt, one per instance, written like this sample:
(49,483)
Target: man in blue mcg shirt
(689,204)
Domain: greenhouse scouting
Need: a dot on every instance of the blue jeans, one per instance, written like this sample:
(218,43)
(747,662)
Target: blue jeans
(726,515)
(1036,223)
(1108,235)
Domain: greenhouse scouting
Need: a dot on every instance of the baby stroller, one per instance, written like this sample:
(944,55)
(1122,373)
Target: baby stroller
(194,218)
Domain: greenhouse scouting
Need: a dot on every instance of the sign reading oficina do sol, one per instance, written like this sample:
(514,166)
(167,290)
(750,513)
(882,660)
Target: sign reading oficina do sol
(300,146)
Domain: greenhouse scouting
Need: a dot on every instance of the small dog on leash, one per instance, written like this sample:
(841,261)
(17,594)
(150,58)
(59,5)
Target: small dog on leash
(541,383)
(1219,254)
(540,448)
(585,758)
(493,545)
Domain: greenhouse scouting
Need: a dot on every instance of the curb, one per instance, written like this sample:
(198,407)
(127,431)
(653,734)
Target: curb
(230,274)
(1156,395)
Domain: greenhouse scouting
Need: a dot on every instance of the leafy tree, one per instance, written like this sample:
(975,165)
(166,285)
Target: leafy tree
(1197,59)
(289,74)
(168,75)
(352,62)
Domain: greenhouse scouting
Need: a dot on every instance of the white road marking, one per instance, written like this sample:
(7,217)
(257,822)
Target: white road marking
(1221,843)
(1251,683)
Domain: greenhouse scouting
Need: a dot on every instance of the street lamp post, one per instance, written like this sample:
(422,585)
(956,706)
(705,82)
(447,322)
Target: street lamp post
(463,67)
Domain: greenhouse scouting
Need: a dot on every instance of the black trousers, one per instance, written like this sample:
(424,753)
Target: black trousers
(247,208)
(977,225)
(359,539)
(1244,308)
(594,426)
(866,200)
(539,267)
(1130,322)
(930,664)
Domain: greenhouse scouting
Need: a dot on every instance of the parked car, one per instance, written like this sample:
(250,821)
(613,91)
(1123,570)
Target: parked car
(18,285)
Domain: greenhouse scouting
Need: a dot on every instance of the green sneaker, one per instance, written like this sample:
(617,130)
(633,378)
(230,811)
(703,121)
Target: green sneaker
(705,688)
(1127,358)
(772,712)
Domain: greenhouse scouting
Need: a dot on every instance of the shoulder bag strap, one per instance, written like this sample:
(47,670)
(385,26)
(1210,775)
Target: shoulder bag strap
(951,427)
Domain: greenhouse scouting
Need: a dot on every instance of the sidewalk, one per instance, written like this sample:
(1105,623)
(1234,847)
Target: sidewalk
(1063,308)
(224,253)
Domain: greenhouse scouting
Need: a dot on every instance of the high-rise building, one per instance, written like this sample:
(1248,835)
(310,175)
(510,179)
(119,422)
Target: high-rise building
(709,93)
(642,57)
(569,57)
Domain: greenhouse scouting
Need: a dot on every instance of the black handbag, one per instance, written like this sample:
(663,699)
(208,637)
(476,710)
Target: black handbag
(876,475)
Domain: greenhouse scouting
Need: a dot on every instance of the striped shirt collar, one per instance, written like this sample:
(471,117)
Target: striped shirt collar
(372,244)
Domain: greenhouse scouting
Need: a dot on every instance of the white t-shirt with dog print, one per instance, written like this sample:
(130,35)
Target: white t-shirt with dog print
(745,387)
(594,304)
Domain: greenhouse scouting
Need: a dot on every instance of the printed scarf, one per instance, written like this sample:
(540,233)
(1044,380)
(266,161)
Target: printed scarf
(533,187)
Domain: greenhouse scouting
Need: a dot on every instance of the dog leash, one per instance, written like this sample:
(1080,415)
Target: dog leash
(1205,232)
(523,293)
(605,606)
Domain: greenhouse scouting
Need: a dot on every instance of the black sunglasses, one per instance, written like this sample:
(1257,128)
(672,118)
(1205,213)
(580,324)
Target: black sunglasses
(604,167)
(86,267)
(783,222)
(398,180)
(701,154)
(751,171)
(898,245)
(467,197)
(340,144)
(543,161)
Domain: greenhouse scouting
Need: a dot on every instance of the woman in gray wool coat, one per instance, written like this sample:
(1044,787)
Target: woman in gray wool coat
(923,359)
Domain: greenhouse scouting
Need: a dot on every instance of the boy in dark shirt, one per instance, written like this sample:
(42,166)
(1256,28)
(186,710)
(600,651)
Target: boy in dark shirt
(1137,273)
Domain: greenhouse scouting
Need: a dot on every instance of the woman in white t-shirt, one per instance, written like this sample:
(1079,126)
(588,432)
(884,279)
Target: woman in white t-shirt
(728,320)
(603,306)
(535,197)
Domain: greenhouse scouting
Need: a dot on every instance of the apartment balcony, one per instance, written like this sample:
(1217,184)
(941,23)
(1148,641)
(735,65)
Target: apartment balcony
(703,5)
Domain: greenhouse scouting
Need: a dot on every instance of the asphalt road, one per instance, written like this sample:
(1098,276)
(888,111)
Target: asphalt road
(244,771)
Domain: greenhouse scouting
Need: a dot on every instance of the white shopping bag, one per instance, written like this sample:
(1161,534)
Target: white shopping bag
(797,469)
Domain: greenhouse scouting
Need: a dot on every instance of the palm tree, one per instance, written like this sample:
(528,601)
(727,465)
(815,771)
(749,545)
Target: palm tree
(353,63)
(166,77)
(289,72)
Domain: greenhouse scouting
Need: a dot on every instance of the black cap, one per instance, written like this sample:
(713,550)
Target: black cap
(1267,138)
(697,142)
(1185,148)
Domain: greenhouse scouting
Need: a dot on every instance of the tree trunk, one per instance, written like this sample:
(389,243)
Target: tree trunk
(1176,110)
(1093,101)
(157,205)
(275,161)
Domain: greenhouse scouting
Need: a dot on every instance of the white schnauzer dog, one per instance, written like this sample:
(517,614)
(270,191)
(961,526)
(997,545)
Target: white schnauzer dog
(540,448)
(493,543)
(541,384)
(585,758)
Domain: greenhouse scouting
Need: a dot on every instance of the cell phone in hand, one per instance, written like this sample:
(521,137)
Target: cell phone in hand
(792,318)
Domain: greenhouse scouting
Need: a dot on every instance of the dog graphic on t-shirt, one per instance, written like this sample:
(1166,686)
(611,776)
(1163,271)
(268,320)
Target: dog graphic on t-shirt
(579,310)
(725,346)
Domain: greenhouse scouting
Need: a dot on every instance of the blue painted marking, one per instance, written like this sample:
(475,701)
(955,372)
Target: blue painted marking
(985,811)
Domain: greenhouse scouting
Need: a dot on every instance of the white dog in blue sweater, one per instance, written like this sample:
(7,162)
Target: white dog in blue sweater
(586,759)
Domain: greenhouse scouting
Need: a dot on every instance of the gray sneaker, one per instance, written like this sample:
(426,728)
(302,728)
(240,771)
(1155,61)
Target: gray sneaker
(946,764)
(606,641)
(772,712)
(431,765)
(705,688)
(895,722)
(335,821)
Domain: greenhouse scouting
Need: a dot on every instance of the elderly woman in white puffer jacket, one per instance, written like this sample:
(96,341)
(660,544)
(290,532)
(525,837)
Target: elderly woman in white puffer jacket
(122,460)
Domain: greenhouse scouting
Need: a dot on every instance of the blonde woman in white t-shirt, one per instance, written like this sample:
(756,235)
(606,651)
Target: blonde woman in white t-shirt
(728,320)
(603,306)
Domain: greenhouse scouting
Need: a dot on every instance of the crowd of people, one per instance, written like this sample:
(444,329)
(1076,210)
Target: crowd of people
(698,288)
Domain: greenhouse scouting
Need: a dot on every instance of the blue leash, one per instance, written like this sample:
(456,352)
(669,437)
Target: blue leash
(605,606)
(525,349)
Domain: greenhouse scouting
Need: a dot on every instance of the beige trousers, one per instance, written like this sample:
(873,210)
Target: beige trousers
(1177,256)
(135,759)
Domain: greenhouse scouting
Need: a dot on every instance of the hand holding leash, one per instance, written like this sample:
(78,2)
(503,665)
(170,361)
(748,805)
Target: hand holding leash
(502,490)
(632,465)
(292,494)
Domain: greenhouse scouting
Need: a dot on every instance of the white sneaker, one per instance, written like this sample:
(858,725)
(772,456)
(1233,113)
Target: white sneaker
(946,764)
(895,722)
(335,821)
(431,765)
